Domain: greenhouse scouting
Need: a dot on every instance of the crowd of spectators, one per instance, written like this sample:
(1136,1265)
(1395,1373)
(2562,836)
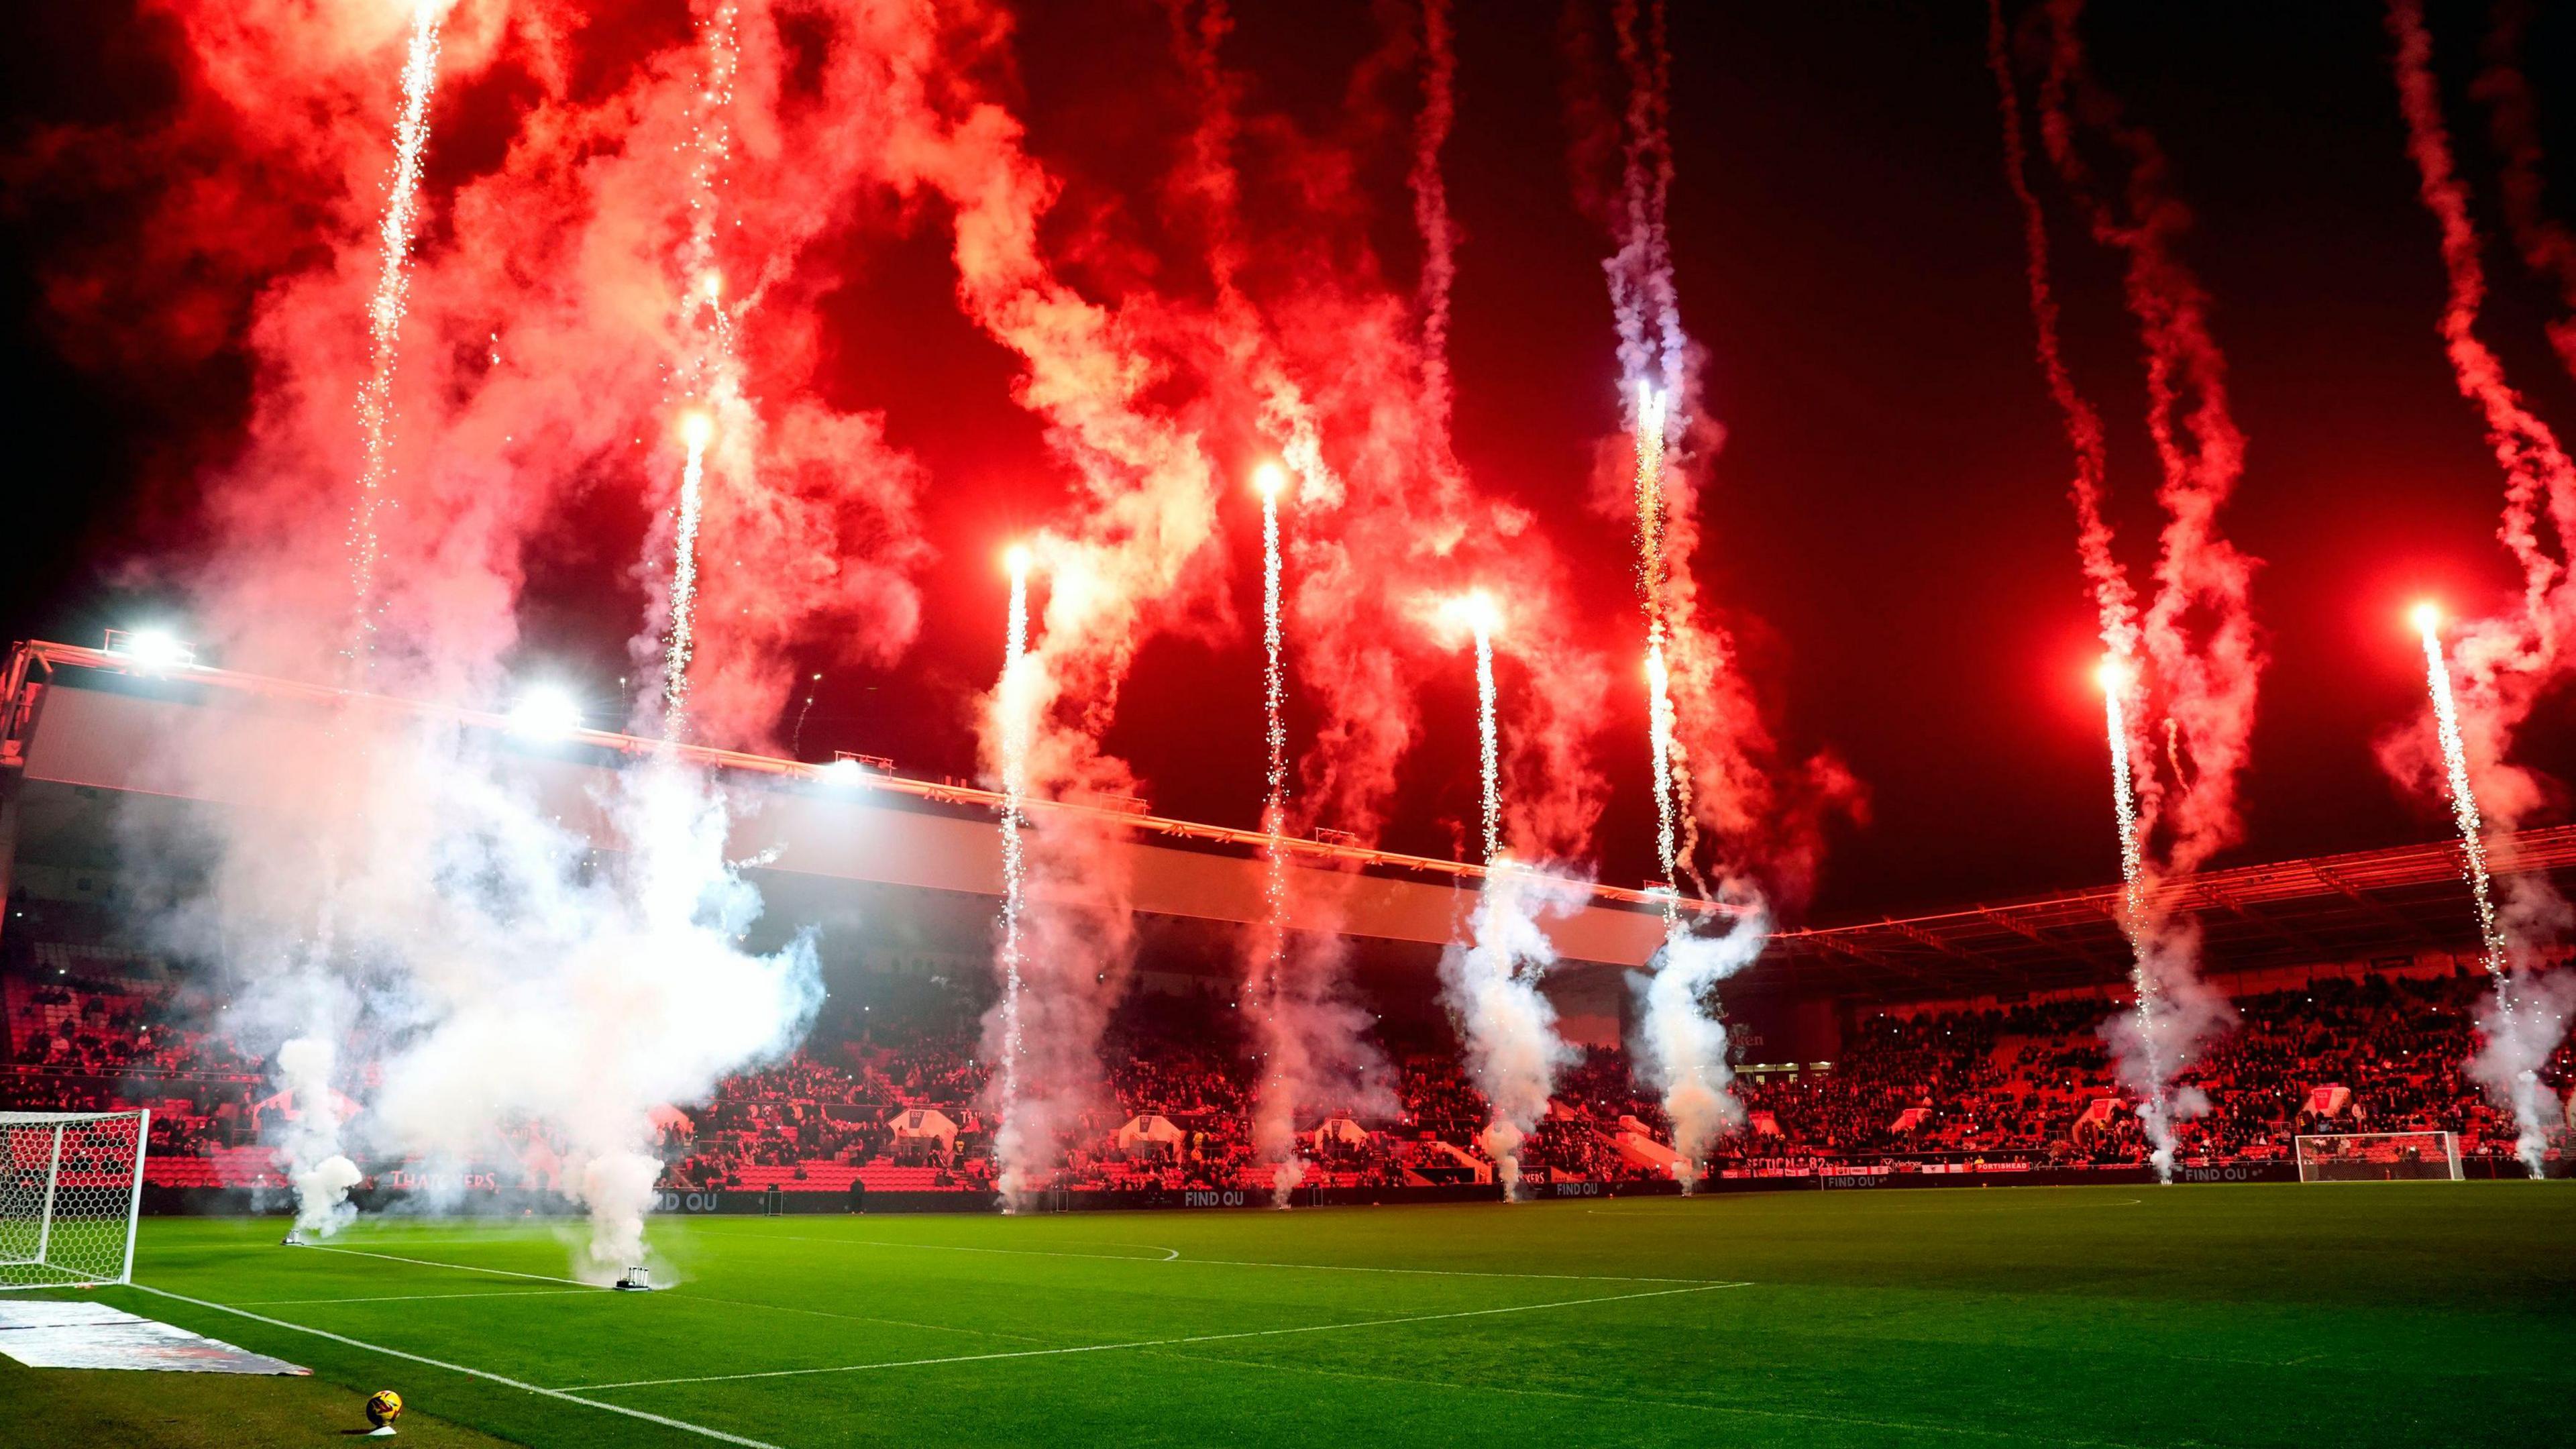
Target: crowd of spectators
(2036,1082)
(2029,1084)
(99,1045)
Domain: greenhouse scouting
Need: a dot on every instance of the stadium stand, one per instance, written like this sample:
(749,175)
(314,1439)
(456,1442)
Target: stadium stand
(886,1095)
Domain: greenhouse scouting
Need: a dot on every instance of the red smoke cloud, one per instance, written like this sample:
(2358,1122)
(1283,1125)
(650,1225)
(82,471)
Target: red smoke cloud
(2198,635)
(2115,600)
(544,324)
(1308,345)
(2203,649)
(1766,813)
(2547,245)
(2502,664)
(555,334)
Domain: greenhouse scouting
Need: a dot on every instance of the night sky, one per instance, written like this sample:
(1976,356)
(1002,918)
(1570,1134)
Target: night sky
(1888,526)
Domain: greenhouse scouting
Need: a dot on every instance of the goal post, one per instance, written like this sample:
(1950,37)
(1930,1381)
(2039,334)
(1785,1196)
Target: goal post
(2379,1157)
(71,1188)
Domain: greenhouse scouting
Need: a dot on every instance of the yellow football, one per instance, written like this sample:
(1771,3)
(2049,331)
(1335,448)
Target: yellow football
(383,1407)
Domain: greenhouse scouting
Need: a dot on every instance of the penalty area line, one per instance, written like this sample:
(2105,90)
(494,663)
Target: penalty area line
(1149,1343)
(457,1368)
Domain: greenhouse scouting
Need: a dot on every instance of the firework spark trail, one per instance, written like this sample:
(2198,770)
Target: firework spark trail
(384,322)
(1563,802)
(711,373)
(1691,687)
(1648,428)
(2198,631)
(2525,1018)
(2547,245)
(1274,689)
(1652,357)
(1716,759)
(682,641)
(2118,679)
(1124,559)
(2505,663)
(1274,1125)
(1659,733)
(2464,800)
(322,1176)
(1013,698)
(1313,1045)
(1652,406)
(1480,617)
(1507,1026)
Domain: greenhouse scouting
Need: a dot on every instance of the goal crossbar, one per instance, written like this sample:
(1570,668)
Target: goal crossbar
(71,1191)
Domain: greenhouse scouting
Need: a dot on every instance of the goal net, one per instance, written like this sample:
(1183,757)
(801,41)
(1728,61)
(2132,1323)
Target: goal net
(2379,1157)
(70,1186)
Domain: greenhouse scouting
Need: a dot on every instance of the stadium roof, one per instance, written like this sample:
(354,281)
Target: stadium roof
(75,722)
(870,825)
(2367,905)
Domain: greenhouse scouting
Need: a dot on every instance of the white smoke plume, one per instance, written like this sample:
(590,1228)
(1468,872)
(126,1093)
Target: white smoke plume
(2522,1023)
(529,975)
(1508,1027)
(562,994)
(321,1172)
(522,975)
(2176,1015)
(2527,1016)
(1685,1044)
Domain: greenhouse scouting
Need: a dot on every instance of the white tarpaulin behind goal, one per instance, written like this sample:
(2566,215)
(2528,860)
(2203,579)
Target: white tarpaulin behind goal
(70,1185)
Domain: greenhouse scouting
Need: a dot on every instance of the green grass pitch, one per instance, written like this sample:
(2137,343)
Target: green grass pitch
(2412,1314)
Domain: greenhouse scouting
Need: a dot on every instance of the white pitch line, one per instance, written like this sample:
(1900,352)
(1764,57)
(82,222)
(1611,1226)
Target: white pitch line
(1175,1257)
(1152,1342)
(459,1267)
(581,1288)
(418,1297)
(502,1379)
